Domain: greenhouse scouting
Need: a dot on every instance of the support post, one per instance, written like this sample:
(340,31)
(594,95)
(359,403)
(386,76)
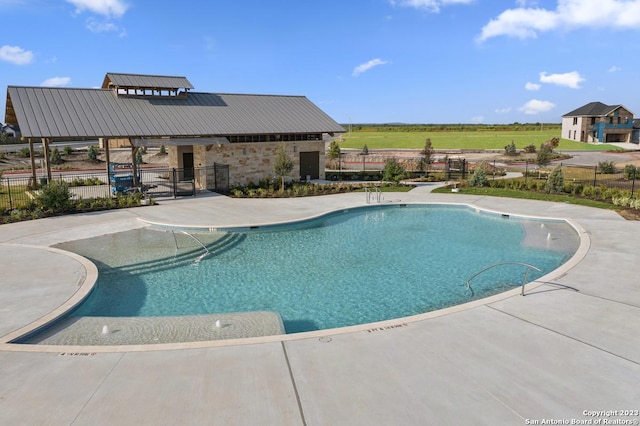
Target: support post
(33,165)
(45,152)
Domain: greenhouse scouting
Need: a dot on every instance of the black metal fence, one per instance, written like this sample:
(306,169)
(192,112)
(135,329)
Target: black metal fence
(18,191)
(610,177)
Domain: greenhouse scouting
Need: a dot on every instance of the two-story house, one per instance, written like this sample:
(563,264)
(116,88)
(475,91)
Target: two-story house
(597,122)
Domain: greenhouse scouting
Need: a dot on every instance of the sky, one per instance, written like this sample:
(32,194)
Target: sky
(361,61)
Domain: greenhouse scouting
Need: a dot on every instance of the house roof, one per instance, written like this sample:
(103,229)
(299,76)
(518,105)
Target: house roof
(113,79)
(591,109)
(92,113)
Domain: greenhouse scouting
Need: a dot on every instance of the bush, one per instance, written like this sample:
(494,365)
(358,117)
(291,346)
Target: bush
(479,176)
(530,149)
(607,167)
(393,171)
(630,172)
(163,150)
(24,153)
(93,152)
(55,157)
(510,149)
(67,150)
(555,181)
(55,197)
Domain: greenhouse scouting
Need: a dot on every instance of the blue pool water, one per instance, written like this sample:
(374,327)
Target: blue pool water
(351,267)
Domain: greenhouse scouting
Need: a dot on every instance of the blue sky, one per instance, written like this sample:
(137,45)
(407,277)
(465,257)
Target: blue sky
(361,61)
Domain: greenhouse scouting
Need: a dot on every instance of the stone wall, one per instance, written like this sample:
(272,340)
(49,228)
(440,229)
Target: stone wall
(248,162)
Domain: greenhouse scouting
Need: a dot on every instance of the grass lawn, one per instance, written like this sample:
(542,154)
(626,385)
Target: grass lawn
(532,195)
(461,140)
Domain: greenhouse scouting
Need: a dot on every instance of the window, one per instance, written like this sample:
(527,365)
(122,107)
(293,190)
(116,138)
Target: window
(575,121)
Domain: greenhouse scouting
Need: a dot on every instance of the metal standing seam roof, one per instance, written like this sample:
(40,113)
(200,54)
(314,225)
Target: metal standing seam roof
(145,81)
(593,109)
(92,113)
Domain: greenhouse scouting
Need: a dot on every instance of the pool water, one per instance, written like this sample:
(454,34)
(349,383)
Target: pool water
(350,267)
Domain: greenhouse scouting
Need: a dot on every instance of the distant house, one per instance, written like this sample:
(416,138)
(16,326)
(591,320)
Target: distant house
(10,131)
(239,132)
(635,136)
(597,122)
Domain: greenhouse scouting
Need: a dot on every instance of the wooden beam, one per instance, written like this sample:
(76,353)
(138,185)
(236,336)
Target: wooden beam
(33,165)
(45,151)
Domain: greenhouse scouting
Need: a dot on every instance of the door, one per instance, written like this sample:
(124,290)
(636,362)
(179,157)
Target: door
(310,165)
(187,166)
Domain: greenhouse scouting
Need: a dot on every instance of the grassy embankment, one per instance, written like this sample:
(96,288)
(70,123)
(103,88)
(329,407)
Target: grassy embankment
(482,139)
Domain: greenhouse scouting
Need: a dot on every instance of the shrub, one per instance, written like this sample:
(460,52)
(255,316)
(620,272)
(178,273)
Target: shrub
(93,152)
(607,167)
(479,176)
(555,181)
(530,149)
(510,149)
(55,197)
(163,150)
(24,153)
(67,150)
(393,170)
(55,156)
(630,172)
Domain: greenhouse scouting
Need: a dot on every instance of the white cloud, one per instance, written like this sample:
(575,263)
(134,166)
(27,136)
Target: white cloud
(615,69)
(367,66)
(532,86)
(503,110)
(56,82)
(108,8)
(569,79)
(16,55)
(429,5)
(528,22)
(534,106)
(102,27)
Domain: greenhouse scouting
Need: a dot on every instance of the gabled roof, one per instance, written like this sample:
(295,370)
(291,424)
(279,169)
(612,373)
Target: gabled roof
(52,112)
(593,109)
(113,79)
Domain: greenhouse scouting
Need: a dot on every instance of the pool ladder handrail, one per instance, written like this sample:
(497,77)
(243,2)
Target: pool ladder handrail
(369,191)
(524,280)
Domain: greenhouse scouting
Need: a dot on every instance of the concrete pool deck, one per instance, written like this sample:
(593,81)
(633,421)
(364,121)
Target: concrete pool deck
(556,353)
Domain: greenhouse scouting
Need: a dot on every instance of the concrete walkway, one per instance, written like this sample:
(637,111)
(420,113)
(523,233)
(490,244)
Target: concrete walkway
(555,354)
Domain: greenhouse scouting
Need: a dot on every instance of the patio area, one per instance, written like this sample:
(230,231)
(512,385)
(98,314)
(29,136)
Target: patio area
(555,354)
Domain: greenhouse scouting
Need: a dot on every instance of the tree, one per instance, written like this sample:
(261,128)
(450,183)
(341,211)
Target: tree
(364,153)
(283,163)
(427,155)
(479,176)
(555,181)
(544,155)
(334,150)
(510,149)
(393,170)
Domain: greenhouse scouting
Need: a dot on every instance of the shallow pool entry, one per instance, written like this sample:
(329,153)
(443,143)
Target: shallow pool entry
(346,268)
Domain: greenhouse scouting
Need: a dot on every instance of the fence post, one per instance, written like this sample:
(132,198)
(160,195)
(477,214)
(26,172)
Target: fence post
(595,175)
(633,182)
(175,184)
(526,171)
(9,192)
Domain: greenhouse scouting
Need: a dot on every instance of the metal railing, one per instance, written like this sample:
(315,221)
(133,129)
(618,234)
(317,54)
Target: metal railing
(524,280)
(373,192)
(19,190)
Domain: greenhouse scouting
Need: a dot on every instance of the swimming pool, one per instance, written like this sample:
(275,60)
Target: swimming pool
(350,267)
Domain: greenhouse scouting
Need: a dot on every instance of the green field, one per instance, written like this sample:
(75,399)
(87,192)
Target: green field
(461,140)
